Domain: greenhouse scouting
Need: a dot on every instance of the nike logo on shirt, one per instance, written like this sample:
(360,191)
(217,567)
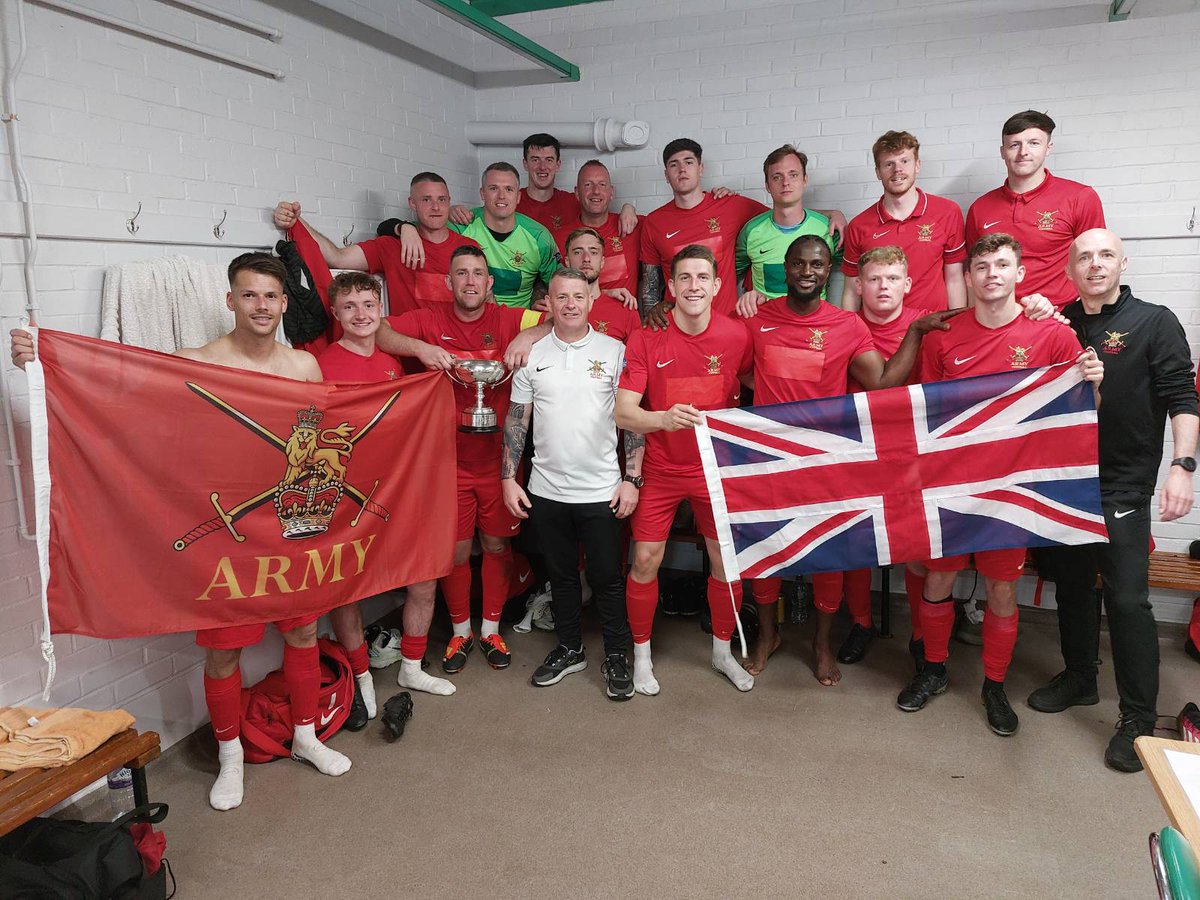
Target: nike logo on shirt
(880,234)
(671,234)
(663,365)
(764,329)
(987,225)
(766,250)
(446,337)
(963,362)
(1123,514)
(543,368)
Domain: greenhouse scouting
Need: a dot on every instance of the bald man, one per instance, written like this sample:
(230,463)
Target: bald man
(1147,376)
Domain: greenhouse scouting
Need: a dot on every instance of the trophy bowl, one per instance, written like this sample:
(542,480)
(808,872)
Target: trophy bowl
(480,373)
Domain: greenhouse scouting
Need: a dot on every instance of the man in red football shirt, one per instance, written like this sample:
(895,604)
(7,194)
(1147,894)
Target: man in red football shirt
(670,376)
(1043,212)
(594,190)
(583,249)
(994,338)
(408,288)
(805,348)
(354,300)
(928,228)
(472,328)
(692,216)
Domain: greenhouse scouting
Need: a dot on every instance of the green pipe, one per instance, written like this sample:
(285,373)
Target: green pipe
(478,21)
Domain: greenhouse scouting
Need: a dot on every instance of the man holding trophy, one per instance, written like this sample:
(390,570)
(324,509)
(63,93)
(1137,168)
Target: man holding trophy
(467,339)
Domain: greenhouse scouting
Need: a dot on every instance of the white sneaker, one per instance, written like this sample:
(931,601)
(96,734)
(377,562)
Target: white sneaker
(384,648)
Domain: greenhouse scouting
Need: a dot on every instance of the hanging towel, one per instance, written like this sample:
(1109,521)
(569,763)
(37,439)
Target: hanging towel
(165,303)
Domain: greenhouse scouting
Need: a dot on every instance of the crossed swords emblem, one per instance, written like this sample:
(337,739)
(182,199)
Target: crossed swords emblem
(229,518)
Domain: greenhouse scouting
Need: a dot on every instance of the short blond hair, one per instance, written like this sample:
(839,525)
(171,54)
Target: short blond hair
(882,256)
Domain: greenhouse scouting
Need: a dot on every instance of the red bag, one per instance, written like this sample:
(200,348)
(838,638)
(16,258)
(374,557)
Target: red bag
(267,714)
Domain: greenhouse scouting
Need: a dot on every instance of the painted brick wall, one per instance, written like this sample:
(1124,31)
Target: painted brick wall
(744,76)
(109,120)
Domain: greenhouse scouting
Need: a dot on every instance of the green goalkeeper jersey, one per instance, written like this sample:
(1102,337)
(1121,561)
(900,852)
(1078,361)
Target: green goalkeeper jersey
(527,252)
(762,245)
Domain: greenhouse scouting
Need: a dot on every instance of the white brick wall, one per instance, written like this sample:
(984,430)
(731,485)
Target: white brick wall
(109,120)
(744,76)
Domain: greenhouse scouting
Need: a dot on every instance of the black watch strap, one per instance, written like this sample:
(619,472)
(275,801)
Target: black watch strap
(635,480)
(1187,463)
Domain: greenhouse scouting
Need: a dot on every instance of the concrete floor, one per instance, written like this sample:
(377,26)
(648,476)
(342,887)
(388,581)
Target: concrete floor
(794,790)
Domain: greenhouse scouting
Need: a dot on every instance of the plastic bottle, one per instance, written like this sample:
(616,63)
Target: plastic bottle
(120,792)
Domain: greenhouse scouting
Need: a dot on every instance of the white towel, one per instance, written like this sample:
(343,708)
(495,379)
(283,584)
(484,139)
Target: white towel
(164,303)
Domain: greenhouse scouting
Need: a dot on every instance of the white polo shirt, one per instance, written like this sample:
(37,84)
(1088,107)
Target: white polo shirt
(573,389)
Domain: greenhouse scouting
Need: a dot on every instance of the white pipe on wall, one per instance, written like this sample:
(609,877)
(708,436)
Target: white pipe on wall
(603,134)
(249,25)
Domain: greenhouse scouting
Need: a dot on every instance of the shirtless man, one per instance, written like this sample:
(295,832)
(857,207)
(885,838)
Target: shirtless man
(257,299)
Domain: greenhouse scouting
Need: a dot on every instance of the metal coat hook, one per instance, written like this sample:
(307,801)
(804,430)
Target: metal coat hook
(131,224)
(346,237)
(218,231)
(1191,223)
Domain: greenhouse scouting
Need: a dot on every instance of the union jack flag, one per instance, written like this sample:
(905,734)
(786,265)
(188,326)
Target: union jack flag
(908,473)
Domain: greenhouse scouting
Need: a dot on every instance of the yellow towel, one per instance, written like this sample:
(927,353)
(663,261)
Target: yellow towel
(42,739)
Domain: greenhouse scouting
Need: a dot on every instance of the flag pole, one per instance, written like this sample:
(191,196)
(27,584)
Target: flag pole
(40,453)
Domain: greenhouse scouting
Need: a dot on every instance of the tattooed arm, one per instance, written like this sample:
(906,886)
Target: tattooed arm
(650,294)
(635,451)
(516,427)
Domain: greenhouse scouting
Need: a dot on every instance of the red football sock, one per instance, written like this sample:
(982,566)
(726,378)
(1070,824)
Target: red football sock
(413,646)
(641,600)
(359,662)
(497,573)
(937,620)
(456,588)
(723,622)
(766,590)
(224,699)
(914,586)
(999,638)
(827,591)
(302,672)
(857,585)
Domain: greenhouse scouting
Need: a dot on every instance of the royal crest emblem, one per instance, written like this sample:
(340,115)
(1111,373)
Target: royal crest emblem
(714,225)
(1046,220)
(556,222)
(390,373)
(925,233)
(1019,358)
(314,478)
(518,258)
(615,243)
(816,340)
(601,326)
(713,361)
(487,339)
(596,368)
(1115,342)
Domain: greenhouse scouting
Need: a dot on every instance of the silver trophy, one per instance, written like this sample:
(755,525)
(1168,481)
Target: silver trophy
(480,418)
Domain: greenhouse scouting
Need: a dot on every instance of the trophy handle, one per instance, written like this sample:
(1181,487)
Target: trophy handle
(452,374)
(510,374)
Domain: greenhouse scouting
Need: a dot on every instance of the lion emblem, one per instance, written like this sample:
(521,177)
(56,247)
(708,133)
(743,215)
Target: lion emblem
(321,452)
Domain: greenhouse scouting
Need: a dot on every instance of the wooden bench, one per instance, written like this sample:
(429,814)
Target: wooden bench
(27,793)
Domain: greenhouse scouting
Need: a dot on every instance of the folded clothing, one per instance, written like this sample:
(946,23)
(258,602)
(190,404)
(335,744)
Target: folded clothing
(43,739)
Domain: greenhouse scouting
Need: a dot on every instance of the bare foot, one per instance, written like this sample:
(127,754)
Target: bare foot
(825,665)
(760,654)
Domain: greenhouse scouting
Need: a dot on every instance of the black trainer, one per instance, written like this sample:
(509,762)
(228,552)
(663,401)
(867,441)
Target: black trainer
(358,718)
(1120,754)
(1000,715)
(560,663)
(617,677)
(854,647)
(916,649)
(1066,689)
(929,682)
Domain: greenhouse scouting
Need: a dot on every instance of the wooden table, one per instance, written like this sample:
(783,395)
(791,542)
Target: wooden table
(27,793)
(1183,815)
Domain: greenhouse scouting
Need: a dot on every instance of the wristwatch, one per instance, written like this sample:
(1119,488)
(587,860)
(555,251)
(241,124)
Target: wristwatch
(1187,463)
(637,480)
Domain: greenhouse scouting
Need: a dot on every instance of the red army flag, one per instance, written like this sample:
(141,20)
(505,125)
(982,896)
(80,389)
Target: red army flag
(176,495)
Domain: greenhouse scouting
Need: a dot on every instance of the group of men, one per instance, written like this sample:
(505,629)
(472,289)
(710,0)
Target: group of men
(553,283)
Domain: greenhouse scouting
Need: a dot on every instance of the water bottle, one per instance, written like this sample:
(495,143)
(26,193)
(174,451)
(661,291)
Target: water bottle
(120,792)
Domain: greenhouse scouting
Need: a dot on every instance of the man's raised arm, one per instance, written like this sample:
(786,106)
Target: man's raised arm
(287,214)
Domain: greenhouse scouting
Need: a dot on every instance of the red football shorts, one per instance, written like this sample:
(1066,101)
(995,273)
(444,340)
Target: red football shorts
(234,637)
(481,501)
(999,565)
(661,495)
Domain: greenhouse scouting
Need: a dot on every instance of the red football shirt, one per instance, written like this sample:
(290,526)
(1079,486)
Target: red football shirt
(554,213)
(713,224)
(339,363)
(410,289)
(887,339)
(932,238)
(620,269)
(804,357)
(969,348)
(1045,220)
(614,318)
(485,338)
(668,367)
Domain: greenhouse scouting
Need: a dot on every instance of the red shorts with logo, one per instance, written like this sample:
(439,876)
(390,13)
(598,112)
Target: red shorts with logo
(999,565)
(661,495)
(234,637)
(481,501)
